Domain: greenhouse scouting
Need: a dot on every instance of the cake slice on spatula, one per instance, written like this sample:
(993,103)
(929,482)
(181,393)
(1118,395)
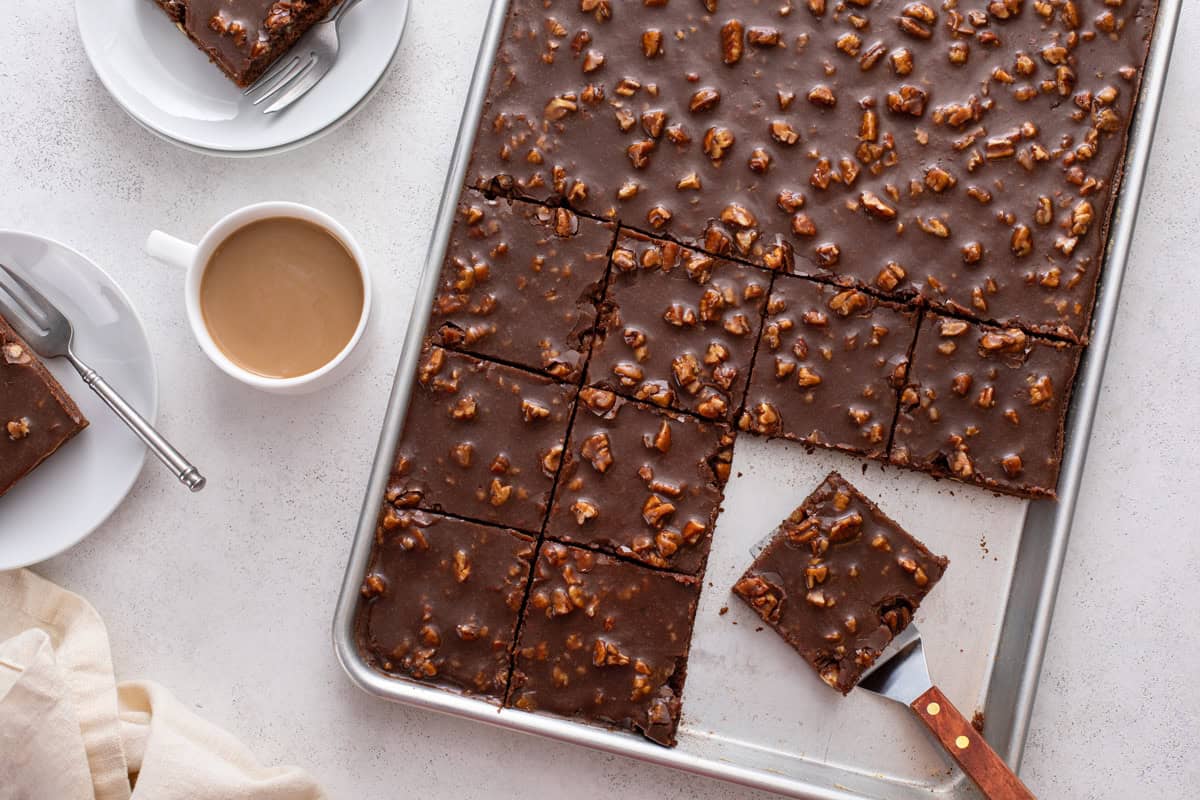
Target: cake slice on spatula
(840,581)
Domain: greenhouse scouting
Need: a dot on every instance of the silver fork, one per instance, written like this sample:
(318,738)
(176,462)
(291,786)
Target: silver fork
(313,56)
(50,334)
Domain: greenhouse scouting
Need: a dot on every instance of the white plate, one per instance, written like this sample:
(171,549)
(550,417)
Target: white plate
(77,488)
(169,86)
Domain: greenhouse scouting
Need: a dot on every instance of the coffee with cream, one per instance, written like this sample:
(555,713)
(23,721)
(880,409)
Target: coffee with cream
(281,297)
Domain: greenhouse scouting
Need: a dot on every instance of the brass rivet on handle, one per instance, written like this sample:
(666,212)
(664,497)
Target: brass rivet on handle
(933,709)
(962,742)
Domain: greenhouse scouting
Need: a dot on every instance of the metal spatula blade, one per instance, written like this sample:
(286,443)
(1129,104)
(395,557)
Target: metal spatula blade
(902,674)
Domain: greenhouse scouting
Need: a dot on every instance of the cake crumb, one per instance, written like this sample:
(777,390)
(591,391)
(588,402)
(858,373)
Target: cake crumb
(724,610)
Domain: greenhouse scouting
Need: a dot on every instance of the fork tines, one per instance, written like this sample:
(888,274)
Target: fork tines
(29,312)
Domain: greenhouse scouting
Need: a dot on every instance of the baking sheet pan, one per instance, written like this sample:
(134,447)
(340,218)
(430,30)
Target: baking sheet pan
(751,714)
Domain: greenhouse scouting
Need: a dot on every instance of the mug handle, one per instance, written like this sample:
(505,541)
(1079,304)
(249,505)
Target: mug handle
(172,251)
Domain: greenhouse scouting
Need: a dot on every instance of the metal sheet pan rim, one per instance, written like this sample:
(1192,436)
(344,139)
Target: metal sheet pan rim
(1050,522)
(1091,372)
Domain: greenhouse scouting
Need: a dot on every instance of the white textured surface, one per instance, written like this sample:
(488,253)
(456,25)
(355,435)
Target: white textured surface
(227,597)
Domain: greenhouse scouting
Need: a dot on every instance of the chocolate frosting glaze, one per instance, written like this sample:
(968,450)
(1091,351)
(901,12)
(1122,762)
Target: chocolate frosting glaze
(641,482)
(986,406)
(441,600)
(520,284)
(605,640)
(967,154)
(244,37)
(481,440)
(233,31)
(829,365)
(677,327)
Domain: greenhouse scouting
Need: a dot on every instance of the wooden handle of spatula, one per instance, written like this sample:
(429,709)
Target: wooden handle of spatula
(968,748)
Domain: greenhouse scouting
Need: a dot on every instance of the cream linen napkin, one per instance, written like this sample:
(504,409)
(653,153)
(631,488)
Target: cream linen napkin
(68,731)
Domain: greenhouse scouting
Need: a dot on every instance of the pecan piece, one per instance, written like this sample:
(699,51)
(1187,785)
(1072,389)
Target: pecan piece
(704,99)
(18,429)
(596,449)
(907,100)
(732,41)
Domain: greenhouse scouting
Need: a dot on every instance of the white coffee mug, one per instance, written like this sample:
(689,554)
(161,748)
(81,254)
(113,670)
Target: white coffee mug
(195,257)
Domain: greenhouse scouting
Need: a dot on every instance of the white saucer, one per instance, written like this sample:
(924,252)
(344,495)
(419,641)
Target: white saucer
(169,86)
(77,488)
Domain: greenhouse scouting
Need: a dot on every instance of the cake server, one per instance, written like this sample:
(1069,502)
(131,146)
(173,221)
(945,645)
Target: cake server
(903,676)
(50,334)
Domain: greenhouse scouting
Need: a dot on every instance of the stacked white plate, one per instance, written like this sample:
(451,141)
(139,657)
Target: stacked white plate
(169,86)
